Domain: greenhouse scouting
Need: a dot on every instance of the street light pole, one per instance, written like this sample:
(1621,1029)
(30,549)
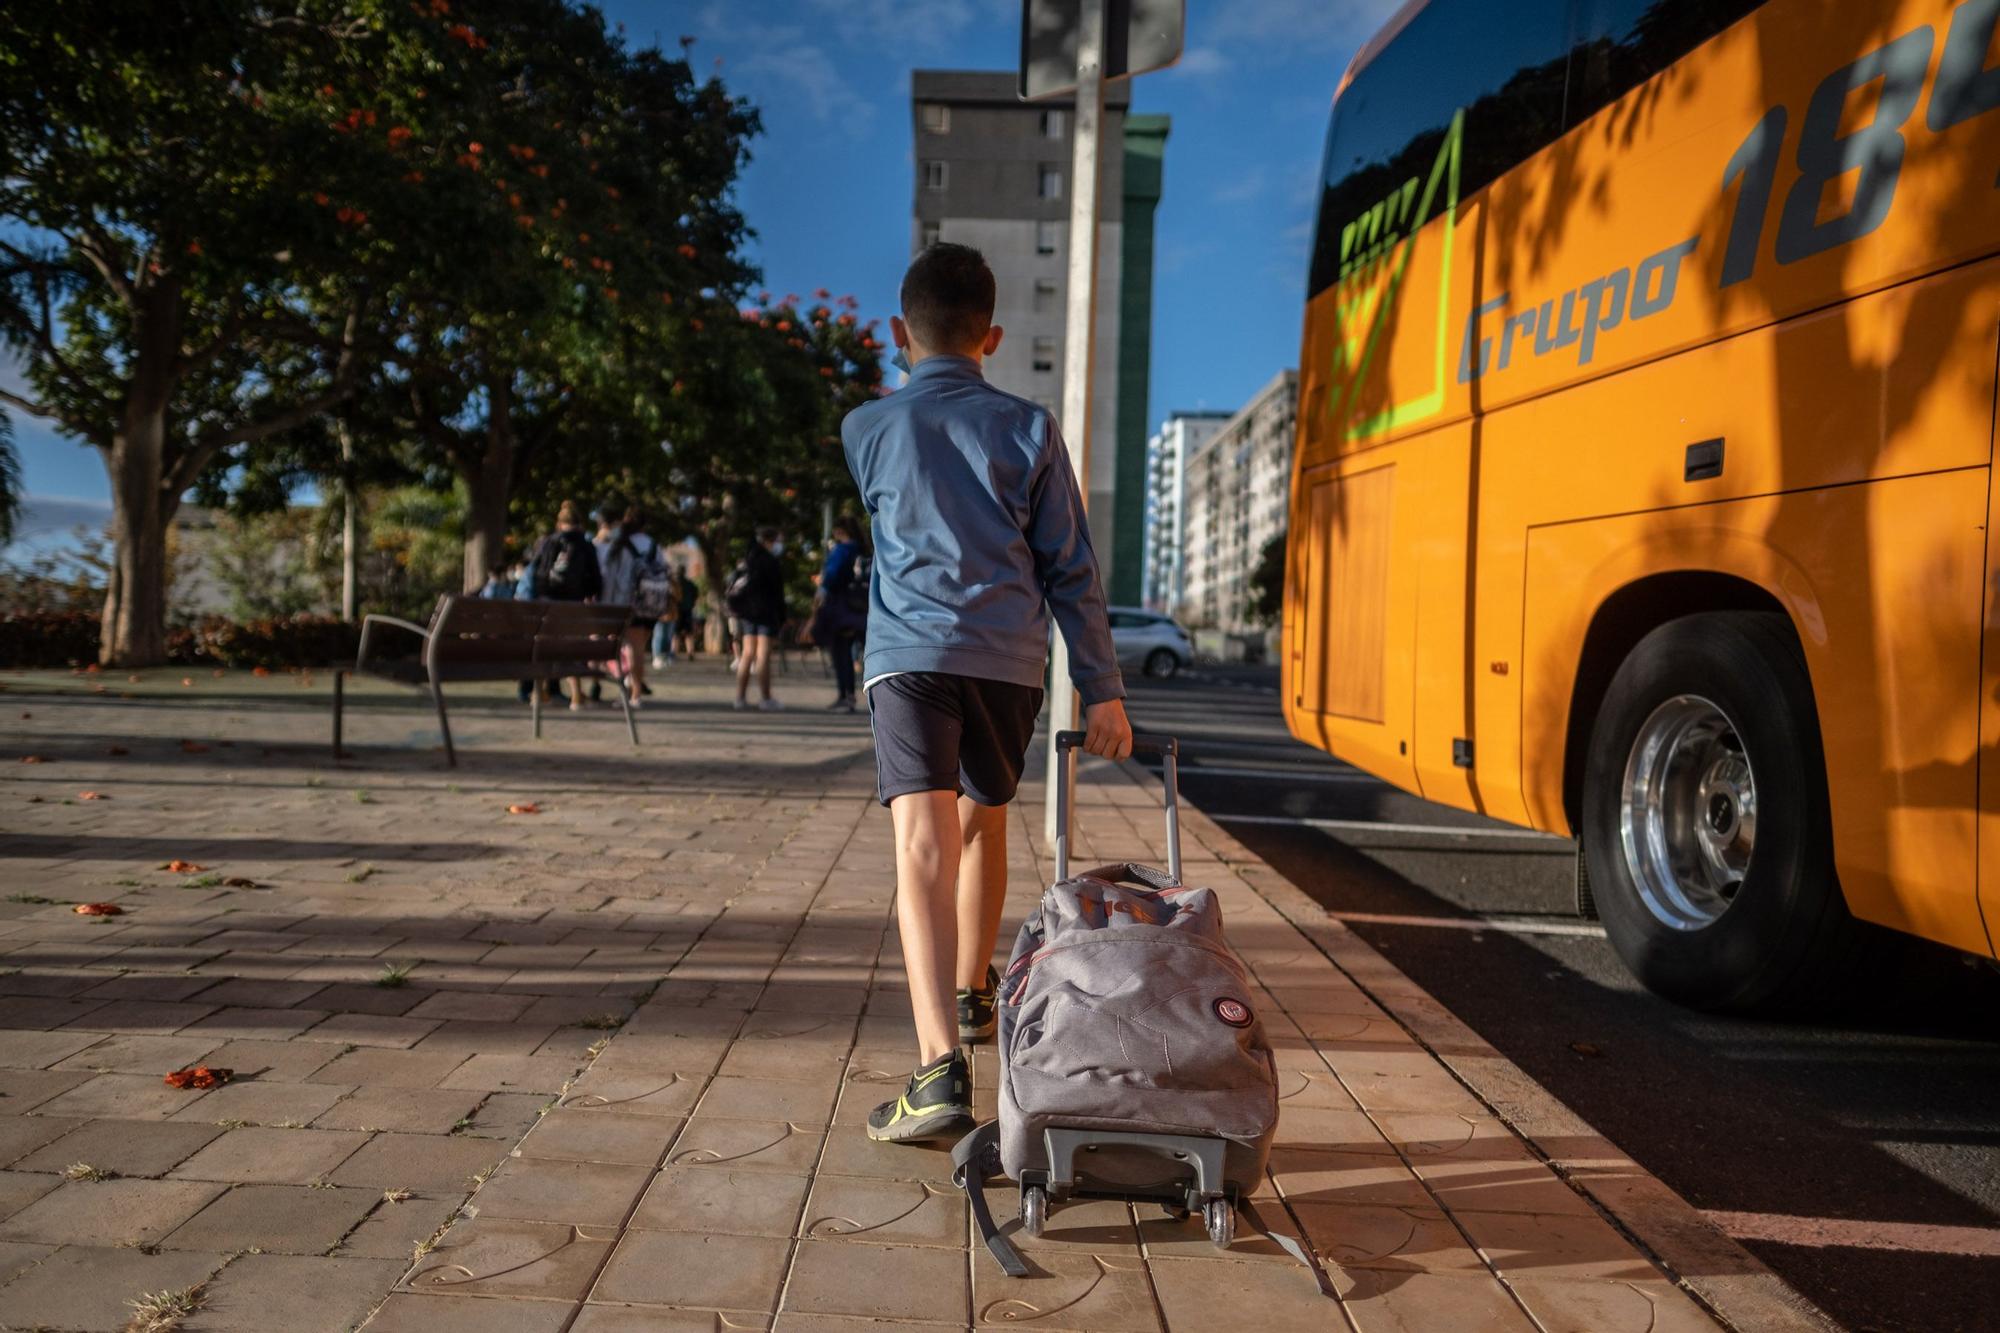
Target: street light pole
(1079,337)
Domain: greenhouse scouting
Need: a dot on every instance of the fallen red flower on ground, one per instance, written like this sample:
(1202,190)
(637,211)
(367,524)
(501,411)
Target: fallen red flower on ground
(92,796)
(180,867)
(524,808)
(199,1076)
(99,909)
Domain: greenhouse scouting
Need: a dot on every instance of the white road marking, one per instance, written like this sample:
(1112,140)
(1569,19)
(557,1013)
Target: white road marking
(1370,826)
(1846,1233)
(1501,925)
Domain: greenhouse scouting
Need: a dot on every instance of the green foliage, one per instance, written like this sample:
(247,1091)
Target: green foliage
(1267,583)
(31,639)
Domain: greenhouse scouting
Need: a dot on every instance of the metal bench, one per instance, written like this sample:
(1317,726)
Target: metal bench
(477,638)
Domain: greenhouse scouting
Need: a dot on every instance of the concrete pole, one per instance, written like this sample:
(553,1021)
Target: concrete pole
(1079,337)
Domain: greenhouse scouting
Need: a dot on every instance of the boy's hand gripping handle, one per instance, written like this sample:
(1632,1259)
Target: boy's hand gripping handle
(1169,750)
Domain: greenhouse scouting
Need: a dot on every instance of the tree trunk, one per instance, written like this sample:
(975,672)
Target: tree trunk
(134,631)
(349,557)
(489,486)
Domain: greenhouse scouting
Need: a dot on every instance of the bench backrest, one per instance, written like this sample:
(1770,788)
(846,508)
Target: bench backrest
(468,631)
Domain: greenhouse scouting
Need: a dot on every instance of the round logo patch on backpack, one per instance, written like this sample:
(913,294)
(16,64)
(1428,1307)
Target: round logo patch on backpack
(1233,1012)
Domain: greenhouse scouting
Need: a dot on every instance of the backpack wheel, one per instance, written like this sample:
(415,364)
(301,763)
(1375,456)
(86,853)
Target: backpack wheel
(1220,1215)
(1034,1209)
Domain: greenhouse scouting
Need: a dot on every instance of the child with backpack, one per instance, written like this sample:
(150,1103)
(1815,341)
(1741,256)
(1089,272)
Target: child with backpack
(979,539)
(564,569)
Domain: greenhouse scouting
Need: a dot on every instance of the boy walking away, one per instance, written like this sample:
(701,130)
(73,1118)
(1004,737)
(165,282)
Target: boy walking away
(979,538)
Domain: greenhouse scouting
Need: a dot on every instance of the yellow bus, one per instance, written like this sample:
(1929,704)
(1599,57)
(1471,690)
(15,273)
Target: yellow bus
(1642,490)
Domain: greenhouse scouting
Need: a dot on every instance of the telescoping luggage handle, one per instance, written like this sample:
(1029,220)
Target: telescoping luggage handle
(1169,750)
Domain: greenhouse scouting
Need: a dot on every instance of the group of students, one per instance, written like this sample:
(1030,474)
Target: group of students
(621,565)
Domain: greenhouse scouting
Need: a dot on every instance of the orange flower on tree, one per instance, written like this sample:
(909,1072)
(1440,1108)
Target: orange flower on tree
(685,250)
(399,135)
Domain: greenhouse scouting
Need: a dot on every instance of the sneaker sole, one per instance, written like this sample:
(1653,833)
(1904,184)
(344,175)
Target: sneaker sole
(980,1033)
(945,1122)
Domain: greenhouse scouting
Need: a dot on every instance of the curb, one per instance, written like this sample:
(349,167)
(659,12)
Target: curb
(1730,1282)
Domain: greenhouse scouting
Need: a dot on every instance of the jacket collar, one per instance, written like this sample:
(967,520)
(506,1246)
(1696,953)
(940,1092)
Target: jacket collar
(945,364)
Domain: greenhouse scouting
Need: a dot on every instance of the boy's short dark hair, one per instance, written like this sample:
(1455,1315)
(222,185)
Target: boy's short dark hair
(948,296)
(766,535)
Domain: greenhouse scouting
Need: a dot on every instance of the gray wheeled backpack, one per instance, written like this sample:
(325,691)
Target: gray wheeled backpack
(1133,1064)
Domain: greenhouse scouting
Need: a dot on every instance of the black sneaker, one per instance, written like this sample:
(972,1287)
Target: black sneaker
(936,1105)
(976,1009)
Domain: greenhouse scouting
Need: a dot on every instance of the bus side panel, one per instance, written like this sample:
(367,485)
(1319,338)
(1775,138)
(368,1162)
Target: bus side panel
(1883,583)
(1445,472)
(1347,679)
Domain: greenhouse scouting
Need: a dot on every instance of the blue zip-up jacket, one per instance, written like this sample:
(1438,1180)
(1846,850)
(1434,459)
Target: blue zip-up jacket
(979,534)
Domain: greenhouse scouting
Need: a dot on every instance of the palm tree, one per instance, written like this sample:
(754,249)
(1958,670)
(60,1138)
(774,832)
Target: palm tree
(10,482)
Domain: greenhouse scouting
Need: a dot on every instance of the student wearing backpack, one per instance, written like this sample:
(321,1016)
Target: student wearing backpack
(635,576)
(980,540)
(840,607)
(564,569)
(755,598)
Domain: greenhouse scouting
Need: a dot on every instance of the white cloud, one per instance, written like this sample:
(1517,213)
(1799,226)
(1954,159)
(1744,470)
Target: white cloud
(1294,23)
(806,71)
(1202,62)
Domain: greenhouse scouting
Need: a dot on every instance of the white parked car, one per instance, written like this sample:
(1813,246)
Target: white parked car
(1150,641)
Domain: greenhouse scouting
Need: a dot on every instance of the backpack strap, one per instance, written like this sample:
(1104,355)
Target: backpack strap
(973,1158)
(1289,1245)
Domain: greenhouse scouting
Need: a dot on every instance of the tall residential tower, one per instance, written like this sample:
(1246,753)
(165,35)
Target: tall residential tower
(994,172)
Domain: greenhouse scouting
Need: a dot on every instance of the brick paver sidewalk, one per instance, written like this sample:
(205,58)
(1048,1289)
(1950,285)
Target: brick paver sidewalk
(603,1067)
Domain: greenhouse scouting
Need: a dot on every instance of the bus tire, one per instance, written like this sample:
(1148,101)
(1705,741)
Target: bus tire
(1705,818)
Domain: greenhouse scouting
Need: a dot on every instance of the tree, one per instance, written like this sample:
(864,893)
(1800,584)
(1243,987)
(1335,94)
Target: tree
(167,177)
(598,181)
(1267,583)
(10,482)
(753,422)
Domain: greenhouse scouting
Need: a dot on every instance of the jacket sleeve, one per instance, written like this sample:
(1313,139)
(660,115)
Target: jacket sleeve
(593,577)
(1067,567)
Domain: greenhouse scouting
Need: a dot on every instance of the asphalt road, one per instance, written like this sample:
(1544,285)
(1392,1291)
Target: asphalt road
(1859,1159)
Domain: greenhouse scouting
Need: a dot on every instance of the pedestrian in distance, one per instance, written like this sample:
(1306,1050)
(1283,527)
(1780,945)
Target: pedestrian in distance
(840,607)
(755,598)
(565,569)
(632,567)
(980,538)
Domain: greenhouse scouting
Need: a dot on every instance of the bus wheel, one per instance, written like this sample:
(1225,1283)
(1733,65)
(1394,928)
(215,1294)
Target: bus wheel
(1705,817)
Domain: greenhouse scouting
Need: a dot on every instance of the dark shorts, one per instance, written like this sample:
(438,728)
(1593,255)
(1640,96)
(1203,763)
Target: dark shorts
(939,732)
(751,628)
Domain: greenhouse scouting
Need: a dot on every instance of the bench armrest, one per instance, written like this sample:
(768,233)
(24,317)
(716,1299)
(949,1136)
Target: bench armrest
(368,625)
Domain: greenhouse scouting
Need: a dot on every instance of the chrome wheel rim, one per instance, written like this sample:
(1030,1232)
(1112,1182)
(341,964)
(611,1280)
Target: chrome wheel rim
(1688,812)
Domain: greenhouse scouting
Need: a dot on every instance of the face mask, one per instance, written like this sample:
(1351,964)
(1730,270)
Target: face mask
(777,548)
(901,361)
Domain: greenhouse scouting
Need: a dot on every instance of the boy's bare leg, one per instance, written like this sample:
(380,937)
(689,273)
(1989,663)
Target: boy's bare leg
(927,870)
(763,642)
(982,888)
(743,665)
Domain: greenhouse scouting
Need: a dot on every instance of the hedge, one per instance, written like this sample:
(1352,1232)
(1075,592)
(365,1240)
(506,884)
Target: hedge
(70,638)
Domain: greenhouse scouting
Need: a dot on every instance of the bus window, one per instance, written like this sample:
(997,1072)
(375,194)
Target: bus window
(1622,43)
(1502,63)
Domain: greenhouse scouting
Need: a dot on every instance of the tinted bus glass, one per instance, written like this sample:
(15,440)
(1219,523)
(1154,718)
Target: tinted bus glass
(1622,43)
(1503,63)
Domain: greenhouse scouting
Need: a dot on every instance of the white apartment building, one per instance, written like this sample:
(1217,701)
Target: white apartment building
(1163,582)
(1236,496)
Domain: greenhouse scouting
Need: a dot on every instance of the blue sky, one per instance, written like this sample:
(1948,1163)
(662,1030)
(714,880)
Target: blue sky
(830,185)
